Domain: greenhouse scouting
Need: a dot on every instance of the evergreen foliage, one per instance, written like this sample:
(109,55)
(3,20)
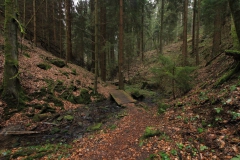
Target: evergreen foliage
(172,77)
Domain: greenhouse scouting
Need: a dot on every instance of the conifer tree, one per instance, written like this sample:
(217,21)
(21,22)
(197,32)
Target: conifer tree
(11,83)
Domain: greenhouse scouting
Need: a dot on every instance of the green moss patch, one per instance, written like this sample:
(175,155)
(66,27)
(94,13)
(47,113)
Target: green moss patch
(58,63)
(44,66)
(94,127)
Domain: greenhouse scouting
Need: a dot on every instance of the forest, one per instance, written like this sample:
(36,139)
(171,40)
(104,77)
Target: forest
(120,79)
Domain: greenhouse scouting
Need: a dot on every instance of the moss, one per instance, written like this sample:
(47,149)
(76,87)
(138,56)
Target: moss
(46,108)
(227,75)
(83,98)
(26,55)
(150,132)
(94,127)
(68,117)
(55,130)
(55,100)
(58,63)
(44,66)
(236,43)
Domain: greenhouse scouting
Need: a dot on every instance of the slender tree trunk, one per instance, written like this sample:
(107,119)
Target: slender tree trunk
(24,16)
(185,20)
(142,32)
(235,10)
(93,38)
(103,41)
(60,26)
(96,46)
(54,23)
(34,24)
(120,53)
(217,31)
(194,25)
(68,31)
(161,28)
(11,83)
(47,27)
(197,33)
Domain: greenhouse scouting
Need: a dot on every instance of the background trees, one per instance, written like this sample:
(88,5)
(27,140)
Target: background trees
(147,25)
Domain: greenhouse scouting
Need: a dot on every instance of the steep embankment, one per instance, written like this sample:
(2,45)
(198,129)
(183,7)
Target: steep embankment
(202,124)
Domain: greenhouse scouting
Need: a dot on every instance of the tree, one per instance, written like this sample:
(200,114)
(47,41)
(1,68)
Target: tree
(196,50)
(194,25)
(103,40)
(11,83)
(161,28)
(235,10)
(34,23)
(96,45)
(120,51)
(185,20)
(68,31)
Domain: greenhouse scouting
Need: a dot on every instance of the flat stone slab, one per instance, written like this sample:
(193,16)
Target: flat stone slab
(121,97)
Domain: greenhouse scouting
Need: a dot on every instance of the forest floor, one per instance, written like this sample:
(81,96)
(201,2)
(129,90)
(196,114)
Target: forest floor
(202,124)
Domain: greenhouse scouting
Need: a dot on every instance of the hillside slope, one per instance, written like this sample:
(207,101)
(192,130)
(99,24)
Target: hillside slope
(202,124)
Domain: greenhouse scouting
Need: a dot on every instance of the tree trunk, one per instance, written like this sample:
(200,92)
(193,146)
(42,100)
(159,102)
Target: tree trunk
(197,33)
(92,37)
(194,26)
(142,33)
(11,83)
(60,26)
(217,31)
(235,10)
(47,27)
(96,45)
(68,31)
(54,23)
(34,24)
(185,20)
(161,28)
(103,41)
(120,53)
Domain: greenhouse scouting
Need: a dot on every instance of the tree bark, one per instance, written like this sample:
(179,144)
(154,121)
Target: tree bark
(11,83)
(235,10)
(161,28)
(142,32)
(96,45)
(68,31)
(92,37)
(120,53)
(103,41)
(185,20)
(34,24)
(194,26)
(217,31)
(197,33)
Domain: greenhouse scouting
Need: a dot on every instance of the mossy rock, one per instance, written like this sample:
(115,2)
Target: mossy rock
(40,117)
(83,98)
(94,127)
(68,117)
(55,100)
(44,66)
(58,63)
(150,132)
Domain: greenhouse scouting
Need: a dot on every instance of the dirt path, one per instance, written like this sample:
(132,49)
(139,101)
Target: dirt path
(121,143)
